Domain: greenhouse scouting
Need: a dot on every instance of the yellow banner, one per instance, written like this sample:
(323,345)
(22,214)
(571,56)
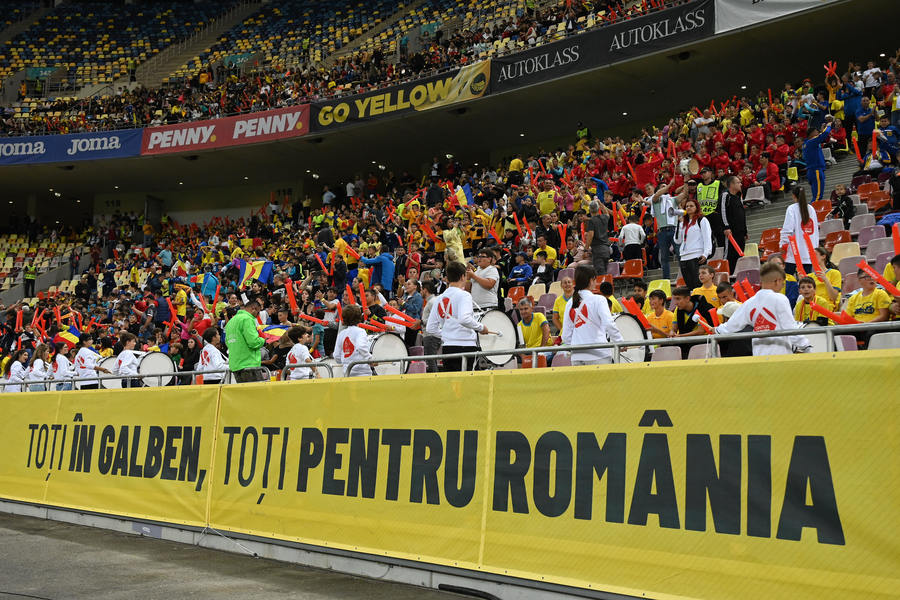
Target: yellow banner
(736,478)
(137,453)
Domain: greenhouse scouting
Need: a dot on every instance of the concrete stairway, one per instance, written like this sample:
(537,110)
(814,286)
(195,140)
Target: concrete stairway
(772,215)
(152,72)
(372,33)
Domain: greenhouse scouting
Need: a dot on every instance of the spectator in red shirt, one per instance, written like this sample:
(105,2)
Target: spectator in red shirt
(768,175)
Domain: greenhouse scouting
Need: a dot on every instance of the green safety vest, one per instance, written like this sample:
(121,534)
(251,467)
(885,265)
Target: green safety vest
(708,197)
(30,272)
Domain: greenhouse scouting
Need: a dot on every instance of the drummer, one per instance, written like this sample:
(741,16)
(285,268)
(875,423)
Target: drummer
(352,343)
(453,318)
(588,321)
(485,280)
(87,362)
(211,358)
(127,362)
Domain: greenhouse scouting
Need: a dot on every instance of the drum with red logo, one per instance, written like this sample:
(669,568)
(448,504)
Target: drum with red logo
(502,337)
(109,384)
(385,346)
(155,363)
(632,331)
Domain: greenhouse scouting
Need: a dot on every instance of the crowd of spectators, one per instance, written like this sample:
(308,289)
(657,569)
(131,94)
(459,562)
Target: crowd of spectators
(389,238)
(217,90)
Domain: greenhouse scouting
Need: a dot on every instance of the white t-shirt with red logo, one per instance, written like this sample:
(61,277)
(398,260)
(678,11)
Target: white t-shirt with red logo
(127,363)
(352,344)
(211,359)
(590,323)
(793,227)
(766,311)
(452,318)
(299,355)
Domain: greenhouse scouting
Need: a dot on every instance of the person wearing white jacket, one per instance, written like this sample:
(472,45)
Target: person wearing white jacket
(694,235)
(768,310)
(211,358)
(799,219)
(587,320)
(352,344)
(453,318)
(127,362)
(63,369)
(16,371)
(39,370)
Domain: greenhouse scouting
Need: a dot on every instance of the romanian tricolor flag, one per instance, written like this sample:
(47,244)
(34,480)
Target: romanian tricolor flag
(464,195)
(180,269)
(70,337)
(272,333)
(261,270)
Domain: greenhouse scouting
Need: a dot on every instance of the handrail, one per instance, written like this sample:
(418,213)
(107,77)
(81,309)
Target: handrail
(617,347)
(311,365)
(113,376)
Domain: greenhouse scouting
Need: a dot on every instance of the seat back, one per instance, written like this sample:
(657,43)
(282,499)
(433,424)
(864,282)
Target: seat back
(885,340)
(516,293)
(661,284)
(878,246)
(866,188)
(634,268)
(663,353)
(745,263)
(565,273)
(836,237)
(848,265)
(537,290)
(841,251)
(845,343)
(562,359)
(830,225)
(527,362)
(770,234)
(700,352)
(860,221)
(867,234)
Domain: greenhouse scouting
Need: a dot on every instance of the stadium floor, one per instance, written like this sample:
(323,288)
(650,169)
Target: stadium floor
(50,560)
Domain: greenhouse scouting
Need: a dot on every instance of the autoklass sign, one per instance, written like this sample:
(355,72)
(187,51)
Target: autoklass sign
(252,128)
(605,45)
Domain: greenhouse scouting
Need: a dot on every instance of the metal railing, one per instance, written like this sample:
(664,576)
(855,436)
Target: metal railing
(50,384)
(618,347)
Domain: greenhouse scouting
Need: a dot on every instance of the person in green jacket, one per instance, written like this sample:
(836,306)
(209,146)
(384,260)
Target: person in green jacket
(244,343)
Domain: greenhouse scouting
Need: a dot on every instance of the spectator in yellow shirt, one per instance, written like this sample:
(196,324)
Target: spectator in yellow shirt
(549,250)
(707,288)
(803,311)
(533,325)
(662,321)
(546,200)
(870,304)
(559,306)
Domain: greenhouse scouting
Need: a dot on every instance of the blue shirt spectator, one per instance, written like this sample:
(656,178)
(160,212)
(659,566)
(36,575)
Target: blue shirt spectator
(384,270)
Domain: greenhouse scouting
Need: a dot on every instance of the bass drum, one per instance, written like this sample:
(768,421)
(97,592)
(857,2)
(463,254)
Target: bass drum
(388,345)
(503,336)
(154,363)
(632,331)
(818,340)
(109,384)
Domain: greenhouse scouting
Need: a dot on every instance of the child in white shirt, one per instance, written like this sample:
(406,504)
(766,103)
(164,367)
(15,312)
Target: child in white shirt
(299,354)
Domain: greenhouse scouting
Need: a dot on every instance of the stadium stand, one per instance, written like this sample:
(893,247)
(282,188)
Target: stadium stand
(275,37)
(96,42)
(14,12)
(523,221)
